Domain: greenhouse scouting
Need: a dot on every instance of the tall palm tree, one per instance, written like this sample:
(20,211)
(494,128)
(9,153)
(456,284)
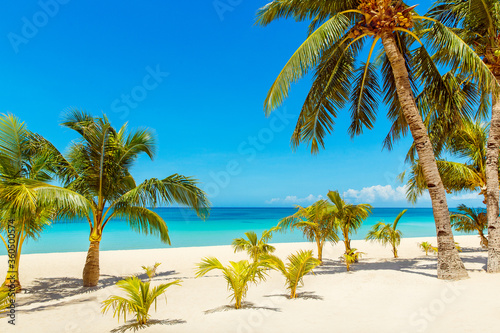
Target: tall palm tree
(349,217)
(254,246)
(140,297)
(337,33)
(298,266)
(239,275)
(470,220)
(387,233)
(27,202)
(98,167)
(478,23)
(469,145)
(316,224)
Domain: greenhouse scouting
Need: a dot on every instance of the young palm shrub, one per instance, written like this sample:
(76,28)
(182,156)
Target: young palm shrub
(4,299)
(315,222)
(351,257)
(253,246)
(298,266)
(387,233)
(349,217)
(151,270)
(239,275)
(426,247)
(470,220)
(140,298)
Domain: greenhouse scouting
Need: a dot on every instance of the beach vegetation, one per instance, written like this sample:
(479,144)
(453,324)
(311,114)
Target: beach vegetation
(254,246)
(471,220)
(351,258)
(426,247)
(387,233)
(239,275)
(140,296)
(151,270)
(298,265)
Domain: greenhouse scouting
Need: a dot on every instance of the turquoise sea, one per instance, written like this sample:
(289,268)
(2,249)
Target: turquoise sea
(224,224)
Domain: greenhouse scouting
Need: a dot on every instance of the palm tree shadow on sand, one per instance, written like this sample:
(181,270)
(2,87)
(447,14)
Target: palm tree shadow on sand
(244,305)
(307,295)
(134,326)
(50,289)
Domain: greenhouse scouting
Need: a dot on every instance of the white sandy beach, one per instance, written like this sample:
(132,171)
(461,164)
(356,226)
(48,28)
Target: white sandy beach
(381,294)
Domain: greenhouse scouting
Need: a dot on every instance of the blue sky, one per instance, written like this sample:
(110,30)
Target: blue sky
(197,73)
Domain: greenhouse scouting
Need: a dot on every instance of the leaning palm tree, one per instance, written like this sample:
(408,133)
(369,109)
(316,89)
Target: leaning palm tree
(338,31)
(98,167)
(468,145)
(140,297)
(470,220)
(478,23)
(348,216)
(27,202)
(254,246)
(298,266)
(239,275)
(316,224)
(387,233)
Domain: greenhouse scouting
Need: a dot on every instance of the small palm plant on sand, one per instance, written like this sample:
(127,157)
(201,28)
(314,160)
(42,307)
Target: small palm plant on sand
(253,246)
(4,299)
(316,223)
(387,233)
(298,265)
(239,275)
(426,247)
(151,270)
(140,297)
(470,220)
(351,257)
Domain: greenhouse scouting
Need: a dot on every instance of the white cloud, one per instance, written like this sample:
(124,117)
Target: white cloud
(293,199)
(377,192)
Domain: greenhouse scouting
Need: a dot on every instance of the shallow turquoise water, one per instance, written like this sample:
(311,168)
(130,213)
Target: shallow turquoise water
(224,224)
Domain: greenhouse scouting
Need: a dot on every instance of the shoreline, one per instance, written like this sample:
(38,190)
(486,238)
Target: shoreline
(56,302)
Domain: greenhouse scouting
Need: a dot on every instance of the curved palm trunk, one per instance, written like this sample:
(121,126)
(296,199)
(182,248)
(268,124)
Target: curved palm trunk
(492,187)
(484,240)
(91,269)
(395,251)
(12,279)
(320,251)
(450,265)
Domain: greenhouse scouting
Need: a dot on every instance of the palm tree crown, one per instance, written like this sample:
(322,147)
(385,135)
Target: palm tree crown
(254,246)
(387,233)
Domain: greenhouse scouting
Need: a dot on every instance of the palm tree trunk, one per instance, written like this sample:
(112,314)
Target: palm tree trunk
(484,240)
(492,187)
(450,266)
(91,269)
(320,251)
(395,251)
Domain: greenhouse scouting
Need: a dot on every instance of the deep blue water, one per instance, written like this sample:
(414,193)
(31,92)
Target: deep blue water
(223,225)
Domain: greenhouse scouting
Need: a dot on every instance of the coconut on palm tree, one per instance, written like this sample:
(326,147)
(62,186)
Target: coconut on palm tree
(478,24)
(298,266)
(98,167)
(239,275)
(315,222)
(337,34)
(471,220)
(387,233)
(140,297)
(349,217)
(254,246)
(27,202)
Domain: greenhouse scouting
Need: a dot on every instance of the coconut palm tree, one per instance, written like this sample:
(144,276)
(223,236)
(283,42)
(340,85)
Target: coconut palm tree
(98,167)
(471,220)
(298,266)
(27,202)
(351,257)
(468,145)
(254,246)
(140,298)
(337,33)
(387,233)
(349,217)
(426,247)
(239,275)
(151,270)
(316,224)
(478,24)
